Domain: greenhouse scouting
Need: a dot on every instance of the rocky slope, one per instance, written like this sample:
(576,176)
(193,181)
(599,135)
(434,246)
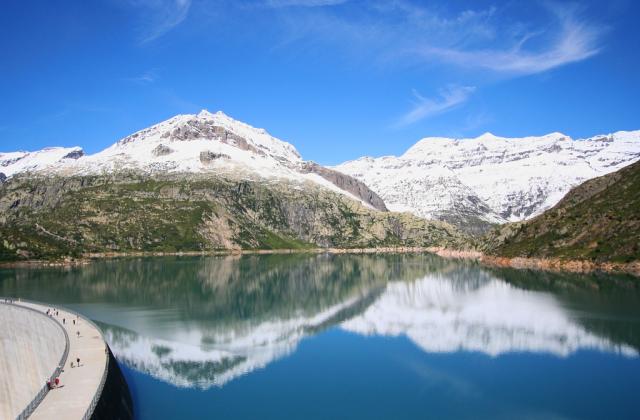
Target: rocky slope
(598,221)
(477,182)
(46,217)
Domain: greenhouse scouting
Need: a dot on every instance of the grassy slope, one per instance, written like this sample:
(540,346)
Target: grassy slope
(599,220)
(49,218)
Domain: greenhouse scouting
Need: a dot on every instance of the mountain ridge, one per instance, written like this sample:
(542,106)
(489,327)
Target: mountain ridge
(206,182)
(490,179)
(193,143)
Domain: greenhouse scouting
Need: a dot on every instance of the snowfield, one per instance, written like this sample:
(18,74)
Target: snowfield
(497,179)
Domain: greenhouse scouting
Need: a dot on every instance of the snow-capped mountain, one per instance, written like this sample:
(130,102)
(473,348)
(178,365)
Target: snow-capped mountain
(489,178)
(202,143)
(16,162)
(469,182)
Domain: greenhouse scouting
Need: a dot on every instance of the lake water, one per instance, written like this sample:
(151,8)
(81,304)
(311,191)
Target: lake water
(356,336)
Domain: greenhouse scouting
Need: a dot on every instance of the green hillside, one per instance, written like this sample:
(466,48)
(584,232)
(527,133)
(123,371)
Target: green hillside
(57,216)
(599,220)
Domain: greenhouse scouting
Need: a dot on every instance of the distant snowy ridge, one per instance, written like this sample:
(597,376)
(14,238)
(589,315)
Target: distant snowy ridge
(490,178)
(201,143)
(16,162)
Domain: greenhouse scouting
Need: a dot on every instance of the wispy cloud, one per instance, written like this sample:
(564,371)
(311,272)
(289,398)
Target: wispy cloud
(446,100)
(402,31)
(148,77)
(572,40)
(303,3)
(157,17)
(415,34)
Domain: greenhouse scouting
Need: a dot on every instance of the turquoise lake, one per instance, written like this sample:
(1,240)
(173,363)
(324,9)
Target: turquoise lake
(356,336)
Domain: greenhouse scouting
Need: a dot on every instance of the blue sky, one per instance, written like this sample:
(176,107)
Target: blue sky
(338,79)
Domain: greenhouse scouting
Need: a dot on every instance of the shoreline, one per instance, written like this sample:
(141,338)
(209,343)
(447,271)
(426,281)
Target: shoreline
(519,263)
(89,257)
(558,265)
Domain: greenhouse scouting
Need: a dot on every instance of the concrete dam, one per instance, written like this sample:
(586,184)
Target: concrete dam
(56,364)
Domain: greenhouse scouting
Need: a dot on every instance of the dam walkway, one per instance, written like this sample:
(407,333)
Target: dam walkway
(35,347)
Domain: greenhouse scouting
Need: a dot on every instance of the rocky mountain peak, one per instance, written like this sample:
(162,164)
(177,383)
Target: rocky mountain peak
(487,137)
(215,128)
(204,113)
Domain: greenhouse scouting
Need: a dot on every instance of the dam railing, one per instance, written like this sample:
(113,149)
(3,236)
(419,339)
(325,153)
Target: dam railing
(103,380)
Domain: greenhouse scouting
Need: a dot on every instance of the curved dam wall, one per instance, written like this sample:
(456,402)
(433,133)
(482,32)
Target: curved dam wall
(31,346)
(115,401)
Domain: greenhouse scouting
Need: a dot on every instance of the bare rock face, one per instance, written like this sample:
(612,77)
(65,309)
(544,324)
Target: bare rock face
(7,162)
(199,129)
(162,150)
(347,183)
(76,154)
(3,178)
(208,156)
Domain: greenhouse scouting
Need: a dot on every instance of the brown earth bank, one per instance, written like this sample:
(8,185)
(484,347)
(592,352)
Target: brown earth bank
(543,264)
(561,265)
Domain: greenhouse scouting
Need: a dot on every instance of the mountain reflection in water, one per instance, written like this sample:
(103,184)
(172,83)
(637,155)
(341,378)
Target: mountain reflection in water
(201,322)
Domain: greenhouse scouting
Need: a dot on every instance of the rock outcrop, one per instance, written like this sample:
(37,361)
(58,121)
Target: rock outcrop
(347,183)
(208,156)
(74,154)
(162,150)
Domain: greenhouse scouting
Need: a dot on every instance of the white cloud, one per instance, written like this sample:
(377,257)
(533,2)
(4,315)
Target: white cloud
(158,17)
(447,99)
